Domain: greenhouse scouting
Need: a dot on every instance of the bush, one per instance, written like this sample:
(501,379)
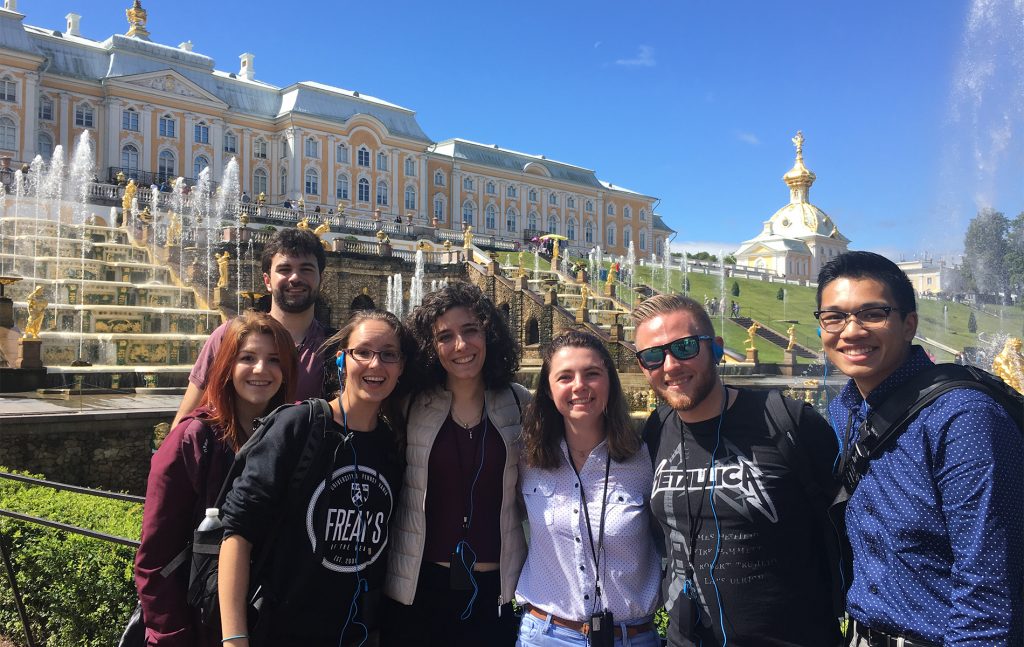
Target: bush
(735,288)
(781,294)
(972,323)
(78,591)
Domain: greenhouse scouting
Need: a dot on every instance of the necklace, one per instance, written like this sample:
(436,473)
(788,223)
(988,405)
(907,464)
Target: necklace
(465,425)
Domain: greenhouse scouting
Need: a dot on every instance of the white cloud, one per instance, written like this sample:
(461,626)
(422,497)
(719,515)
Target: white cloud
(644,58)
(748,138)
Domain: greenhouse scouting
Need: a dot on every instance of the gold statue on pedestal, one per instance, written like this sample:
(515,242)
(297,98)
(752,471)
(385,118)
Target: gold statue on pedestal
(222,269)
(751,333)
(584,296)
(126,201)
(791,331)
(136,20)
(611,275)
(173,231)
(467,237)
(261,199)
(1009,364)
(37,305)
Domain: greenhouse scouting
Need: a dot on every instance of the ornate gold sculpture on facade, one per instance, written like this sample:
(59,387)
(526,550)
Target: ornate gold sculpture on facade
(222,269)
(126,201)
(751,333)
(791,331)
(467,237)
(173,231)
(136,20)
(1009,364)
(37,305)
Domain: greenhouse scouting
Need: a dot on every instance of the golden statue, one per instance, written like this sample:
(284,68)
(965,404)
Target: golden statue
(584,296)
(303,224)
(173,231)
(302,204)
(798,141)
(126,201)
(136,20)
(382,237)
(751,333)
(120,178)
(554,253)
(321,229)
(467,237)
(447,245)
(1009,364)
(611,274)
(791,331)
(145,215)
(37,304)
(222,269)
(261,199)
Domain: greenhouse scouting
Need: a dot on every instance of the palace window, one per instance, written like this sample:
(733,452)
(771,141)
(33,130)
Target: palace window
(570,229)
(382,193)
(552,225)
(627,237)
(165,165)
(589,206)
(611,209)
(130,158)
(570,203)
(588,232)
(643,239)
(8,90)
(439,208)
(312,182)
(643,214)
(230,143)
(467,183)
(490,217)
(44,145)
(130,120)
(8,133)
(286,149)
(363,157)
(531,221)
(201,133)
(410,167)
(259,182)
(533,195)
(553,199)
(341,154)
(439,179)
(259,149)
(166,126)
(410,198)
(312,148)
(659,244)
(46,108)
(382,161)
(468,212)
(490,188)
(510,191)
(341,192)
(363,188)
(284,180)
(609,237)
(84,115)
(627,212)
(200,165)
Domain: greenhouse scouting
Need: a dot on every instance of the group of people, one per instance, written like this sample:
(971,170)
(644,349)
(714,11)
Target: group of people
(445,505)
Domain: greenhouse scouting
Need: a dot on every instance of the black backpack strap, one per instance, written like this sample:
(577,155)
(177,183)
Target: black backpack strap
(651,432)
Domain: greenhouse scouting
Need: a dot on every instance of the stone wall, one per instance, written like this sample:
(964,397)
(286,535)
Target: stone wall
(110,451)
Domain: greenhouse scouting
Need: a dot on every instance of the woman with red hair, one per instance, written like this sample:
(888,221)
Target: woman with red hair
(253,372)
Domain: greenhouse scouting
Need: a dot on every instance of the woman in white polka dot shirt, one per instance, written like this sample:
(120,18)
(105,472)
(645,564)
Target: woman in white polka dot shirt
(586,480)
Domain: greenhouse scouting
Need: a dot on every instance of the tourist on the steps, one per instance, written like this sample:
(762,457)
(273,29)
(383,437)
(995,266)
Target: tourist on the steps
(742,481)
(586,480)
(458,536)
(293,265)
(252,372)
(329,529)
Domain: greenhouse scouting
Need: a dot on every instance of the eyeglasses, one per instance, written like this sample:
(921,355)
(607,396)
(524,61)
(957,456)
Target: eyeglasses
(836,320)
(365,355)
(683,348)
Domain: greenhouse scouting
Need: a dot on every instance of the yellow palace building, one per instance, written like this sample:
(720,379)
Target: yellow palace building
(157,112)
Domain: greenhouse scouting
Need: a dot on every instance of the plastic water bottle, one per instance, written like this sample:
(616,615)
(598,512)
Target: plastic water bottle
(211,521)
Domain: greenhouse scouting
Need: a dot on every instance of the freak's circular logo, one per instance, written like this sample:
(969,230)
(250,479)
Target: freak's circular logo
(354,529)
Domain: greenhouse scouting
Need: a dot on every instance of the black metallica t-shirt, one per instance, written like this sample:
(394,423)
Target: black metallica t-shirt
(770,567)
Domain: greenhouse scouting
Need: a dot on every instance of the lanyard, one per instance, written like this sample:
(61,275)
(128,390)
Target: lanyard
(596,551)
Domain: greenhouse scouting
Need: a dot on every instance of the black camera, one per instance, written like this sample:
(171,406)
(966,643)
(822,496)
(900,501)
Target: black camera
(602,630)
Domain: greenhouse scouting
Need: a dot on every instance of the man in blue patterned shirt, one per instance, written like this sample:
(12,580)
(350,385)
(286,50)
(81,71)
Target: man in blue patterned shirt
(936,525)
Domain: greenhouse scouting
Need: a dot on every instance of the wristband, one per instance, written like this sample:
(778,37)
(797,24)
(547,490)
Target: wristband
(234,638)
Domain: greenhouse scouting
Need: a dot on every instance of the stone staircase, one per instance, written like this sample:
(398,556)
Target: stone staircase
(774,337)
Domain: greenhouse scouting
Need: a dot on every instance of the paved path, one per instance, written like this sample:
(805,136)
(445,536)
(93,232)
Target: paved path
(32,404)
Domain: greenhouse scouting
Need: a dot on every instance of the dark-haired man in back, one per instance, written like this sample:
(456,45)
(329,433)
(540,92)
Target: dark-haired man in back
(293,263)
(936,524)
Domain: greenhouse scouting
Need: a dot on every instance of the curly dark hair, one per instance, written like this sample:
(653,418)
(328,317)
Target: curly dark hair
(293,242)
(503,349)
(543,425)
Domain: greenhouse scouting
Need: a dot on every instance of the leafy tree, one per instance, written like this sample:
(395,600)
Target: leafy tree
(986,247)
(729,260)
(1015,253)
(735,288)
(972,323)
(781,294)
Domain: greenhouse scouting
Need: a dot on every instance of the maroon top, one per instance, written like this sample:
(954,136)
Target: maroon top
(310,377)
(454,462)
(177,495)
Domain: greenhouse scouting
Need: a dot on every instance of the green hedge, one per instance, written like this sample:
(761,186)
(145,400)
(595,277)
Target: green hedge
(78,591)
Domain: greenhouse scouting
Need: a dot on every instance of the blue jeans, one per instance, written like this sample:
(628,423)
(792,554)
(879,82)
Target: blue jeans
(537,632)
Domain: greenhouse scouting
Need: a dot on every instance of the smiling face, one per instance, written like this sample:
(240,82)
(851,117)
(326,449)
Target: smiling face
(579,385)
(293,282)
(257,375)
(683,384)
(374,380)
(459,339)
(867,356)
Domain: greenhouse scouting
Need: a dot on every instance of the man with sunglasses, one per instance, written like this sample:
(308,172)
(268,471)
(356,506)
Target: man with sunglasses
(743,524)
(936,524)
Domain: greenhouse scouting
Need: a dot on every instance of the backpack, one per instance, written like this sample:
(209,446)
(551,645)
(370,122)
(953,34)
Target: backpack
(205,548)
(783,416)
(888,420)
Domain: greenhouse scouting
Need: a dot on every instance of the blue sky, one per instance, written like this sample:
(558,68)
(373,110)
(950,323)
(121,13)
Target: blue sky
(913,111)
